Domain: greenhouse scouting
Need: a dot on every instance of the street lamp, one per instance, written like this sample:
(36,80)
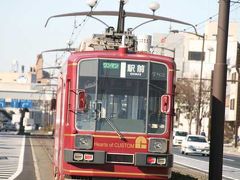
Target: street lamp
(201,70)
(154,6)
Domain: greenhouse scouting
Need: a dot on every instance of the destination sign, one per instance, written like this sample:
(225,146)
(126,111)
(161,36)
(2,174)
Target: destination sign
(158,72)
(123,69)
(109,69)
(136,70)
(110,65)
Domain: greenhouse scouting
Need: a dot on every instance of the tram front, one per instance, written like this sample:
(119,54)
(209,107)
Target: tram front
(121,130)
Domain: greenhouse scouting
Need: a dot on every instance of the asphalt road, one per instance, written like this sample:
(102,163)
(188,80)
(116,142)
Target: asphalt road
(25,157)
(28,171)
(231,163)
(12,149)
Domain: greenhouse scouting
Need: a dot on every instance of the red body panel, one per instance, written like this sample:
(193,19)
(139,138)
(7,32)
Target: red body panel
(105,141)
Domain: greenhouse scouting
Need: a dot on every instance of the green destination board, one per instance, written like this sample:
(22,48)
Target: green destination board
(109,69)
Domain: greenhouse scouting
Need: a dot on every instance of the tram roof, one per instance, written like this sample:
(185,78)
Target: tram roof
(115,54)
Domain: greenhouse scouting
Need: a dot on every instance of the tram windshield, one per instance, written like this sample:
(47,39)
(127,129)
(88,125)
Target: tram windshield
(126,93)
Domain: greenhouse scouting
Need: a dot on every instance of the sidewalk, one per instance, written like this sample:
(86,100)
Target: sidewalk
(42,149)
(230,149)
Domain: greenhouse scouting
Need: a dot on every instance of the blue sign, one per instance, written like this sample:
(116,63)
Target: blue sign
(21,103)
(2,103)
(25,103)
(15,103)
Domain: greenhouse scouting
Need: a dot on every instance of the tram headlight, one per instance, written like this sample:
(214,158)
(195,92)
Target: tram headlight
(157,145)
(83,141)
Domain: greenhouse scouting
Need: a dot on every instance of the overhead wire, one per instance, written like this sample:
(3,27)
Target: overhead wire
(215,15)
(74,35)
(198,25)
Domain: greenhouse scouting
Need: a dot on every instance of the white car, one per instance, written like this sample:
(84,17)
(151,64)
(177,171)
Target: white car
(195,144)
(28,128)
(178,137)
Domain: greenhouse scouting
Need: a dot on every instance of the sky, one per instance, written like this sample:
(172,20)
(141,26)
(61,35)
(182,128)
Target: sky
(23,35)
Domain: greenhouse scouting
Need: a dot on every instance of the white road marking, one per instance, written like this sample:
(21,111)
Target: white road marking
(226,159)
(228,172)
(37,173)
(20,161)
(12,149)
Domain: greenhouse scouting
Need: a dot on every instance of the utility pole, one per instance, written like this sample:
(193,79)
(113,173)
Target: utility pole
(200,87)
(219,94)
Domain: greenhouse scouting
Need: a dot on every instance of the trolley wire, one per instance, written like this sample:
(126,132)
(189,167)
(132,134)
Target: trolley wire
(216,15)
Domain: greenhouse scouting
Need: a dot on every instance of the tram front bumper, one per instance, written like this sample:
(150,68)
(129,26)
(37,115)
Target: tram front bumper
(101,157)
(84,156)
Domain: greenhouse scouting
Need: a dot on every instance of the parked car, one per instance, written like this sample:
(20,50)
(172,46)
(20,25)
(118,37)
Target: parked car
(178,137)
(195,144)
(28,128)
(8,127)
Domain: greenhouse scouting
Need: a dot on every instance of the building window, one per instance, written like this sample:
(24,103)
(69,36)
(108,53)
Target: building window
(232,104)
(195,55)
(234,77)
(227,102)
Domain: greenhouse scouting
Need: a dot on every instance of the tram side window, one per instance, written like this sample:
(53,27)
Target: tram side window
(87,81)
(157,88)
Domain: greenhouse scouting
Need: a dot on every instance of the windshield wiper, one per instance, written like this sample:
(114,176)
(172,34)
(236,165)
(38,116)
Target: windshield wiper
(98,111)
(115,128)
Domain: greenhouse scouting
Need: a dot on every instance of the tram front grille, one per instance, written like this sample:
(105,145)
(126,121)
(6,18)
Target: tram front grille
(120,158)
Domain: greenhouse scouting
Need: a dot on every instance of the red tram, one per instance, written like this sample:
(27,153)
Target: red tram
(114,112)
(114,116)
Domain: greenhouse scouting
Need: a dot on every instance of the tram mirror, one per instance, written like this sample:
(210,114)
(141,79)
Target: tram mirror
(165,103)
(81,100)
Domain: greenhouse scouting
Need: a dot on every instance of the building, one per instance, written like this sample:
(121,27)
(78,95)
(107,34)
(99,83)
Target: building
(188,54)
(31,90)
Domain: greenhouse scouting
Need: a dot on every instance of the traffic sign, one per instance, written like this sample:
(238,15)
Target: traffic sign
(2,103)
(15,103)
(25,103)
(21,103)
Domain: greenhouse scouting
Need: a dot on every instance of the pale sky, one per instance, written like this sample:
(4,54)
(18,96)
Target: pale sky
(23,35)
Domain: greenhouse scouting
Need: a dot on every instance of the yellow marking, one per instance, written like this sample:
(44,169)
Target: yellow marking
(141,142)
(119,173)
(115,137)
(73,64)
(103,136)
(69,134)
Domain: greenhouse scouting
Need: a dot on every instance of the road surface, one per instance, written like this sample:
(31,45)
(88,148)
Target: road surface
(25,157)
(231,163)
(30,157)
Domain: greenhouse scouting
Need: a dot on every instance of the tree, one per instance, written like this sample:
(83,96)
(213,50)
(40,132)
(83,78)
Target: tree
(205,104)
(186,99)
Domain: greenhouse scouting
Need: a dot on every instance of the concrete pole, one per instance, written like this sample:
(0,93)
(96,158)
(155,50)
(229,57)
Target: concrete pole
(200,87)
(219,94)
(237,108)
